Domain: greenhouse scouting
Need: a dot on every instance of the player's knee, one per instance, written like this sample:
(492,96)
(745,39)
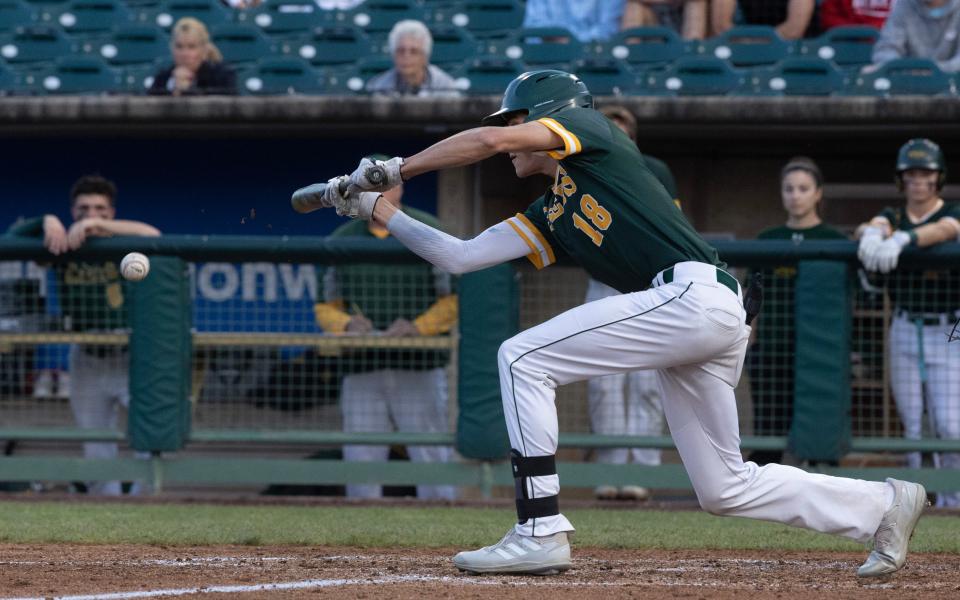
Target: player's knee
(718,500)
(509,352)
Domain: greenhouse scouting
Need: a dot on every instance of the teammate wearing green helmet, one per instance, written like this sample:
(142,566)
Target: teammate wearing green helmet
(926,302)
(678,312)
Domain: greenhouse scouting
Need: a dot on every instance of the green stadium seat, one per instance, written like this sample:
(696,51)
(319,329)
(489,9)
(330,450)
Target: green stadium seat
(76,75)
(286,17)
(748,46)
(241,43)
(483,18)
(211,12)
(607,76)
(452,45)
(342,44)
(15,13)
(798,76)
(645,47)
(903,76)
(36,43)
(9,81)
(134,44)
(488,75)
(695,76)
(381,15)
(282,75)
(89,16)
(137,79)
(352,79)
(539,47)
(846,46)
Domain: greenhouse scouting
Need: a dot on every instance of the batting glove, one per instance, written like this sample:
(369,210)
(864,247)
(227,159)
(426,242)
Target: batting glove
(888,254)
(358,205)
(870,242)
(377,176)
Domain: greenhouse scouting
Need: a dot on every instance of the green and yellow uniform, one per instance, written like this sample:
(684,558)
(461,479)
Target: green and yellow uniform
(602,174)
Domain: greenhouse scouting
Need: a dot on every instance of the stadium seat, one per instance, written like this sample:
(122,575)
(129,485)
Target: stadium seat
(645,47)
(211,12)
(134,44)
(375,16)
(285,17)
(694,76)
(9,81)
(748,46)
(903,76)
(847,46)
(282,75)
(89,16)
(799,76)
(35,44)
(539,47)
(607,76)
(15,13)
(241,43)
(76,75)
(488,75)
(483,18)
(338,45)
(452,45)
(137,79)
(352,79)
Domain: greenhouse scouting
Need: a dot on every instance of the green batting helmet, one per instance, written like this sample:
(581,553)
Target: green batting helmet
(540,93)
(921,153)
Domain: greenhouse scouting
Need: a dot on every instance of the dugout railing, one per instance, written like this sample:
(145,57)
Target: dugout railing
(164,328)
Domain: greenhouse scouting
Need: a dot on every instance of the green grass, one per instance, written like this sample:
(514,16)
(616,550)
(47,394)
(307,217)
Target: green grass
(404,526)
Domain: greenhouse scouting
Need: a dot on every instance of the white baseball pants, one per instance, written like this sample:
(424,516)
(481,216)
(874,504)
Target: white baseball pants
(624,404)
(942,363)
(692,332)
(389,400)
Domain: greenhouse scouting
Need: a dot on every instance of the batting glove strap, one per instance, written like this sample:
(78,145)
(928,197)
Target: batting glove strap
(358,205)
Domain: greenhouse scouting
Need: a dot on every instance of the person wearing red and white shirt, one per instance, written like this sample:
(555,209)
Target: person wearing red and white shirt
(834,13)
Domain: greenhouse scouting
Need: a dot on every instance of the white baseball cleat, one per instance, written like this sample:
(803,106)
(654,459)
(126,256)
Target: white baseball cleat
(896,527)
(605,492)
(633,492)
(519,554)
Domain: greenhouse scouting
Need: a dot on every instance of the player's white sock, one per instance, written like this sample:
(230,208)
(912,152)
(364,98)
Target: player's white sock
(889,494)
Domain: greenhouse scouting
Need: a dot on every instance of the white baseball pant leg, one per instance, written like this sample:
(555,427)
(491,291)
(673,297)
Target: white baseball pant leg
(943,385)
(695,333)
(905,381)
(363,405)
(98,387)
(608,415)
(418,404)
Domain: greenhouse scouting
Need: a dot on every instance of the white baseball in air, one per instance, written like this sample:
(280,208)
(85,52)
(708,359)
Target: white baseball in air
(134,266)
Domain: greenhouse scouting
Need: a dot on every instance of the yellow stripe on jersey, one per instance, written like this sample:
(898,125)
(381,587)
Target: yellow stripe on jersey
(547,248)
(571,143)
(534,255)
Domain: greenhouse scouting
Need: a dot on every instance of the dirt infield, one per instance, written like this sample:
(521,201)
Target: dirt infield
(274,573)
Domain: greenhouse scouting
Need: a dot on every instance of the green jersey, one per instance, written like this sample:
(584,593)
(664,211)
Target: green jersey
(923,291)
(91,294)
(606,209)
(775,326)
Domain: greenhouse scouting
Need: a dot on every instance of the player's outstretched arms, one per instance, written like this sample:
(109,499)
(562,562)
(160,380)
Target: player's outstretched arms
(496,245)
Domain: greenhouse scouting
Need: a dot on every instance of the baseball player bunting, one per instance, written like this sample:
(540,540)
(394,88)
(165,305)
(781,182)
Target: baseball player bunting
(679,313)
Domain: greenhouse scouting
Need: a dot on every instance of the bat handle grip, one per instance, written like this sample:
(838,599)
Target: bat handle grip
(343,185)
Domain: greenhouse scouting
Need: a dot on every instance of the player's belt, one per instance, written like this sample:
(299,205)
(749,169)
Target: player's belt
(722,277)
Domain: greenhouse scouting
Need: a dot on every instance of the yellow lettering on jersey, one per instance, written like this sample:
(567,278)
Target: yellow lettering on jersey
(598,215)
(585,227)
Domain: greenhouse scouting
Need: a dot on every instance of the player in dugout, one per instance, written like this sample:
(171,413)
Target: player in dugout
(679,312)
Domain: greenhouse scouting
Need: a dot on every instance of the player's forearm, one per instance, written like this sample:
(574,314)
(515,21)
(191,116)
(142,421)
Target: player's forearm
(122,227)
(464,148)
(932,234)
(496,245)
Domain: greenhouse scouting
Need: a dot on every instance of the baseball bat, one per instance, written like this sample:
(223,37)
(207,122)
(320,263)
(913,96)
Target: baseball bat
(310,198)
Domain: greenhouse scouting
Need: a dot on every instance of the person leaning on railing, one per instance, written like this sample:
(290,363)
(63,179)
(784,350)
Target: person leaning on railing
(924,365)
(92,300)
(770,359)
(386,389)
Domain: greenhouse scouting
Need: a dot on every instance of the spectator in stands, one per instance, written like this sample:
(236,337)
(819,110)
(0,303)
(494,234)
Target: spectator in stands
(834,13)
(242,4)
(686,17)
(922,29)
(770,358)
(630,403)
(402,389)
(792,18)
(924,366)
(198,67)
(412,74)
(587,20)
(92,300)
